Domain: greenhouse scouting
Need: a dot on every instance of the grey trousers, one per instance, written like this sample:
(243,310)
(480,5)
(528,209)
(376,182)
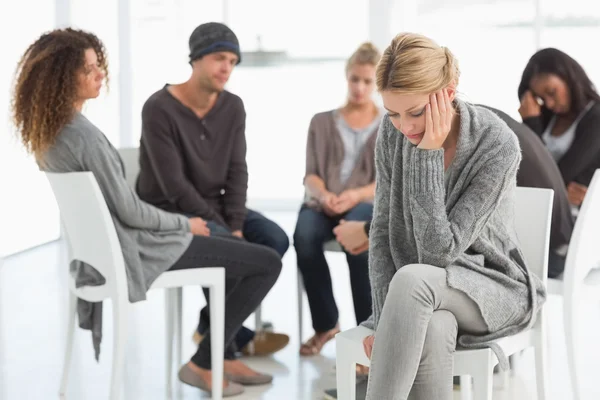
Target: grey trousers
(416,336)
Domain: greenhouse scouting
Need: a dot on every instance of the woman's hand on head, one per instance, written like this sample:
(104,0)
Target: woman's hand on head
(529,106)
(438,120)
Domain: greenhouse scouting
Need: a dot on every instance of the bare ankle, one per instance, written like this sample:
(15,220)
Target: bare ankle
(198,370)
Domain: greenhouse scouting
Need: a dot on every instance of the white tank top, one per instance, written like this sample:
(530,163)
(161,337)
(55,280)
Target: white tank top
(559,145)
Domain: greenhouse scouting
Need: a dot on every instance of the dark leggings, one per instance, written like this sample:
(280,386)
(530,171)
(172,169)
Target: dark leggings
(251,270)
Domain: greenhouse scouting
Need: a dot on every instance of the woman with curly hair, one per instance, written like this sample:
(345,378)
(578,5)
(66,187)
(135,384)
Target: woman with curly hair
(58,73)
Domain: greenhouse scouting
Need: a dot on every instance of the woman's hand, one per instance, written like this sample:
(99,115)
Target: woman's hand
(368,345)
(328,201)
(346,201)
(529,106)
(198,227)
(438,121)
(352,236)
(576,193)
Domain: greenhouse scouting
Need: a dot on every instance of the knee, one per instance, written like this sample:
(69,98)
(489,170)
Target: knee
(307,240)
(272,262)
(362,212)
(281,243)
(441,332)
(406,281)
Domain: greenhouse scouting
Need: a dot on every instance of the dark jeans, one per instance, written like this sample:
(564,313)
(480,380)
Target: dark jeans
(313,229)
(556,264)
(259,230)
(250,272)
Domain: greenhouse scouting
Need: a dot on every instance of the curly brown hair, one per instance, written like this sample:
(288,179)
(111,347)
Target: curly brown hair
(46,83)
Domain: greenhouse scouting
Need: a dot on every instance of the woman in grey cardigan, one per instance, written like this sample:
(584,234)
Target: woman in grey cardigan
(56,76)
(444,257)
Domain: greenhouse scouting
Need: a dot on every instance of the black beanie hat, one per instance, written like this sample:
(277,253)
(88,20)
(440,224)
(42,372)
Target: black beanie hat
(211,38)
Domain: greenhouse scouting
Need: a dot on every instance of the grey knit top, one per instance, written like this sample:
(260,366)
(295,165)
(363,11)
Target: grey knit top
(151,239)
(460,219)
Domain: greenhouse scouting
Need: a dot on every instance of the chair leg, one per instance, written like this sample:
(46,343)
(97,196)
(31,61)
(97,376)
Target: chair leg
(72,309)
(345,370)
(483,382)
(300,308)
(540,342)
(217,337)
(571,336)
(169,339)
(120,315)
(466,392)
(178,310)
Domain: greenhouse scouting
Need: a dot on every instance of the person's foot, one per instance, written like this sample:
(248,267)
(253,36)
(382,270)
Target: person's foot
(201,378)
(238,372)
(263,344)
(266,343)
(362,370)
(314,345)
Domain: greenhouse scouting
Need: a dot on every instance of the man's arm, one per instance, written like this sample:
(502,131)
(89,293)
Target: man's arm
(168,166)
(236,186)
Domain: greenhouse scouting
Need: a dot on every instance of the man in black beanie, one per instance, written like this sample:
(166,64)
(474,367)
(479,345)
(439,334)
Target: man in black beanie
(193,158)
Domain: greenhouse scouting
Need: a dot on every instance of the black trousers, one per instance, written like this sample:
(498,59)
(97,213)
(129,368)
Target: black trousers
(251,270)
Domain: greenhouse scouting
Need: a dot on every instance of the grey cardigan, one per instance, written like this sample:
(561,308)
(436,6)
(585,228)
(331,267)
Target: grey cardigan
(152,240)
(460,219)
(325,154)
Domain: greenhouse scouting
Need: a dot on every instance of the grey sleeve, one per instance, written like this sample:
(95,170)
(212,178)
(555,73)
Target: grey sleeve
(121,199)
(381,264)
(442,236)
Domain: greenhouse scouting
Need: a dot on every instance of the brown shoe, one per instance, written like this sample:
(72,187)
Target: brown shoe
(263,344)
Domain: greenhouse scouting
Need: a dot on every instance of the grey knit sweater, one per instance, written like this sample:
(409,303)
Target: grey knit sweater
(460,219)
(152,240)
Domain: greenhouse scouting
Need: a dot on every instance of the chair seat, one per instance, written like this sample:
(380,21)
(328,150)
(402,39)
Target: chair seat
(189,277)
(463,358)
(352,339)
(170,279)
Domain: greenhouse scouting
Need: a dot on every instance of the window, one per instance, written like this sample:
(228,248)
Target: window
(492,41)
(28,213)
(315,38)
(573,29)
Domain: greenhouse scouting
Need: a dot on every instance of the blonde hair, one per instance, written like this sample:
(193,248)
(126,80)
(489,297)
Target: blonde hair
(366,53)
(415,64)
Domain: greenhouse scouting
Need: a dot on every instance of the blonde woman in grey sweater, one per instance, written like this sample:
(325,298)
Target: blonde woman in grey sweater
(444,259)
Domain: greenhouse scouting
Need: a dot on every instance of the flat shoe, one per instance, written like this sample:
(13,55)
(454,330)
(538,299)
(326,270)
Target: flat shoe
(187,376)
(261,379)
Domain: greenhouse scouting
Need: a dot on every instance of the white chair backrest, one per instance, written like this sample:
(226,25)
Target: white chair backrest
(533,217)
(584,250)
(131,160)
(90,231)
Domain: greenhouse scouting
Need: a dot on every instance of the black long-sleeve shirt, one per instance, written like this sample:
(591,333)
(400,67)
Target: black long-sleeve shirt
(191,165)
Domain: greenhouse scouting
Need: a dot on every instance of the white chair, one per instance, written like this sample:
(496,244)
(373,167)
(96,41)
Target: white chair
(131,161)
(332,246)
(533,209)
(92,238)
(581,275)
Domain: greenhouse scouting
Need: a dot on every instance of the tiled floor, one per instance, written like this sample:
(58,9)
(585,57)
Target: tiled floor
(32,321)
